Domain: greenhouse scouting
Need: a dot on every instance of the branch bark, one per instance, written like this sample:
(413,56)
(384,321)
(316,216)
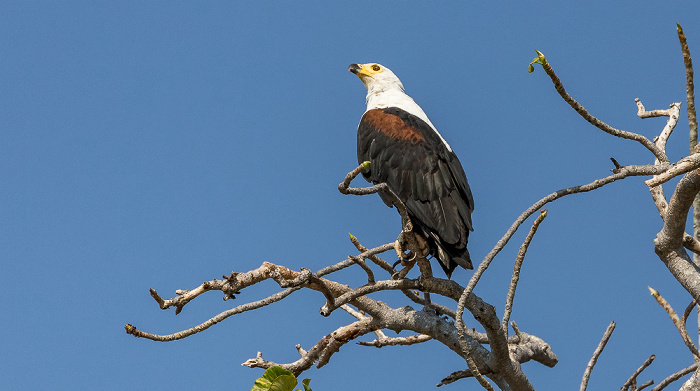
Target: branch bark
(668,244)
(596,354)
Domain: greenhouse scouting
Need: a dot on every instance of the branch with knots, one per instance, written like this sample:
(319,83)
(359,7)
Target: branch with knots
(431,322)
(672,241)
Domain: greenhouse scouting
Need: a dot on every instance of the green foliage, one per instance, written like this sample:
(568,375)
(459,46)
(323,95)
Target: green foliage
(278,379)
(538,60)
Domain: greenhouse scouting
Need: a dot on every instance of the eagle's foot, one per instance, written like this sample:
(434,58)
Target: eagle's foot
(410,245)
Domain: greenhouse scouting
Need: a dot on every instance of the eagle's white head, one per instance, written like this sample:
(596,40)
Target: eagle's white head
(377,78)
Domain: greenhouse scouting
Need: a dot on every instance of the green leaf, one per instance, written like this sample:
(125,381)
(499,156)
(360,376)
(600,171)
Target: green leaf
(537,60)
(275,379)
(305,383)
(284,383)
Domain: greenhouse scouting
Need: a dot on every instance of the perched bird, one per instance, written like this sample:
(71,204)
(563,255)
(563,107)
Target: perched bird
(408,154)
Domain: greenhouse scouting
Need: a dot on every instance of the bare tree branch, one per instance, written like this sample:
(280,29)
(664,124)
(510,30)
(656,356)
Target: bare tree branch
(685,165)
(669,241)
(687,312)
(593,120)
(344,188)
(675,377)
(218,318)
(680,325)
(693,383)
(692,127)
(395,341)
(632,381)
(372,257)
(645,385)
(657,191)
(689,89)
(596,354)
(321,352)
(516,269)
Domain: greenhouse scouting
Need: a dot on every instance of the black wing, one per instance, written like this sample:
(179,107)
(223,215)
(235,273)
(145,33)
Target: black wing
(409,156)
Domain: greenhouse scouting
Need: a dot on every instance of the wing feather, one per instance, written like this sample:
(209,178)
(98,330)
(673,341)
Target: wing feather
(411,158)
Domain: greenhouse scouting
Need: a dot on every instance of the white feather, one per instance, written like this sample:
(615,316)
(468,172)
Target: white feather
(384,90)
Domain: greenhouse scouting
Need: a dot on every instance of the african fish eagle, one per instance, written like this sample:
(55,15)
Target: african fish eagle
(408,154)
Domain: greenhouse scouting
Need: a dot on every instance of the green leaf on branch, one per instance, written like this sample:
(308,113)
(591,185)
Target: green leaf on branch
(278,379)
(537,60)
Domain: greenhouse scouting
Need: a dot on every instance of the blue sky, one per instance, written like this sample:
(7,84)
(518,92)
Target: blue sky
(163,144)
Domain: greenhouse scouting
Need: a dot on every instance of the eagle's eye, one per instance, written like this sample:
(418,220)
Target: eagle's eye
(376,68)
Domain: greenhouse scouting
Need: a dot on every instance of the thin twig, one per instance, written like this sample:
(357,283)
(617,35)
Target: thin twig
(372,257)
(360,316)
(643,113)
(518,265)
(692,126)
(689,88)
(676,322)
(675,377)
(321,352)
(516,330)
(595,121)
(349,262)
(632,381)
(361,262)
(218,318)
(687,312)
(683,166)
(596,354)
(344,188)
(645,385)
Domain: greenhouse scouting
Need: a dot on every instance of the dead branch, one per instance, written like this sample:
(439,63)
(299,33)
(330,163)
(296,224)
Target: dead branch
(676,376)
(344,188)
(669,241)
(680,325)
(593,120)
(596,354)
(380,316)
(516,269)
(657,191)
(632,381)
(687,311)
(690,88)
(321,352)
(372,257)
(397,341)
(216,319)
(622,173)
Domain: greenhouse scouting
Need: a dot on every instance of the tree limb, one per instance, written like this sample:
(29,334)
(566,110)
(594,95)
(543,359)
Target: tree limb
(596,354)
(516,269)
(669,241)
(675,377)
(593,120)
(632,381)
(680,324)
